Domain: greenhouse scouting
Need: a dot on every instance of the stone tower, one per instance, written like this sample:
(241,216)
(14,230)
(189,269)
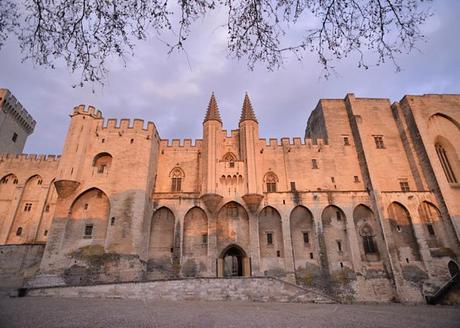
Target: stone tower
(16,124)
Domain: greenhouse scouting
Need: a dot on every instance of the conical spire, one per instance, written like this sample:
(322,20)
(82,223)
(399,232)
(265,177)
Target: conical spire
(247,113)
(213,111)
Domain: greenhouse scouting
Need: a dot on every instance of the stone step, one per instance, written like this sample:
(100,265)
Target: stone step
(257,289)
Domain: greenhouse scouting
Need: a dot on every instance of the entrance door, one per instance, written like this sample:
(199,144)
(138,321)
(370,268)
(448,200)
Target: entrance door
(233,262)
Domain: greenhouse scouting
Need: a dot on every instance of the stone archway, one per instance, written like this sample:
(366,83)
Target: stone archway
(233,262)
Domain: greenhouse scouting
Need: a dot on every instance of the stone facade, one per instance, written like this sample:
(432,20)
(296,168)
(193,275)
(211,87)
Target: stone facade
(366,207)
(16,124)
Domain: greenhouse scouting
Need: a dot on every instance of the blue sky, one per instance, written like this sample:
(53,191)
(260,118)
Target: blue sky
(174,92)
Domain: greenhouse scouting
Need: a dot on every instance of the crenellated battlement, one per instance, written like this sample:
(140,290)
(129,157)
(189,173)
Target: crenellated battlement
(127,125)
(296,141)
(29,157)
(12,106)
(87,110)
(185,143)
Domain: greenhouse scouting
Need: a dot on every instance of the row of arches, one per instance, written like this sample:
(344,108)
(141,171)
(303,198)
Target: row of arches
(32,211)
(90,211)
(232,228)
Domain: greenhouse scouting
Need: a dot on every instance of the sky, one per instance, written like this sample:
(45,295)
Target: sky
(173,91)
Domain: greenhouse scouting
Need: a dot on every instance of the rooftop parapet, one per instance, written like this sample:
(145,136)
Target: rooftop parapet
(127,125)
(29,157)
(12,106)
(90,110)
(296,141)
(185,143)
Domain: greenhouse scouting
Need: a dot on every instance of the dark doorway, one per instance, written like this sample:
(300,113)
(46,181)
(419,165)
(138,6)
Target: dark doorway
(233,262)
(453,268)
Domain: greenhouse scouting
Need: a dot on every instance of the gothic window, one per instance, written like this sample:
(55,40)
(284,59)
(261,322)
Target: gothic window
(444,159)
(368,236)
(102,162)
(15,137)
(4,180)
(19,231)
(270,181)
(379,142)
(230,158)
(176,180)
(15,181)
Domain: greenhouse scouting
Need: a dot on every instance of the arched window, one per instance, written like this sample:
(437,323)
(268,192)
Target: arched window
(270,181)
(444,159)
(368,236)
(102,162)
(176,179)
(19,231)
(230,158)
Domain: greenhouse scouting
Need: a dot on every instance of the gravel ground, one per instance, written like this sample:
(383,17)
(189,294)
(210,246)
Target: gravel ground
(39,312)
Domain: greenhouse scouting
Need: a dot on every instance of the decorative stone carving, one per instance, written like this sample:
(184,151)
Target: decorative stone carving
(66,187)
(212,201)
(252,201)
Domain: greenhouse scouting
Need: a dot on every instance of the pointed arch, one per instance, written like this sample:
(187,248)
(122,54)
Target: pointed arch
(444,116)
(433,225)
(271,180)
(176,175)
(232,226)
(28,212)
(88,219)
(335,234)
(102,162)
(403,233)
(9,178)
(303,235)
(161,241)
(448,158)
(229,157)
(195,243)
(366,229)
(271,241)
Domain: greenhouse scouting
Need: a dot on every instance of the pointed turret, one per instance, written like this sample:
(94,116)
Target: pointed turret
(212,113)
(247,112)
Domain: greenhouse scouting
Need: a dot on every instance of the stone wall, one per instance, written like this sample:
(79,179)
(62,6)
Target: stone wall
(19,263)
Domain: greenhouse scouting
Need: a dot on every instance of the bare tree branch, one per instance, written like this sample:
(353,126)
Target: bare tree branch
(85,33)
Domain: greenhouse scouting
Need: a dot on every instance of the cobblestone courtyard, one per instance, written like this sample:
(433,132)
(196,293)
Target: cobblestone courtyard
(63,313)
